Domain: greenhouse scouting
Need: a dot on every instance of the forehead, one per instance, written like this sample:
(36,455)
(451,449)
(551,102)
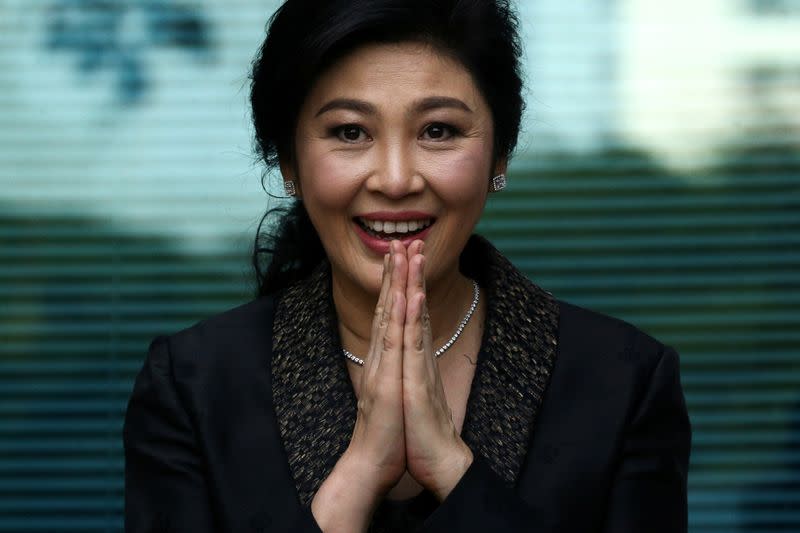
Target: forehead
(394,75)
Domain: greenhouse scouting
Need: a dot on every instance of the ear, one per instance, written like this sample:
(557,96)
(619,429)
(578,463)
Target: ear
(289,172)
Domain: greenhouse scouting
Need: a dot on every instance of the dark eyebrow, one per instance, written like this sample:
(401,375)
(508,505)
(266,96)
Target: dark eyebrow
(435,102)
(420,106)
(359,106)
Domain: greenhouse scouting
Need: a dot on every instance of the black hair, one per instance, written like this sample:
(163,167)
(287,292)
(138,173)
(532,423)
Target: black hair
(304,37)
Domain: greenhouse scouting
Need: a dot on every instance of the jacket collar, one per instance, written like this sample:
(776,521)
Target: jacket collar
(315,403)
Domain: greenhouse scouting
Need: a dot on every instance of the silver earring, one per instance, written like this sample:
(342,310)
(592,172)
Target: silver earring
(497,183)
(288,186)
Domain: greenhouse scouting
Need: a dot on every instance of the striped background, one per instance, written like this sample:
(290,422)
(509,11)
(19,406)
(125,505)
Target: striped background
(129,195)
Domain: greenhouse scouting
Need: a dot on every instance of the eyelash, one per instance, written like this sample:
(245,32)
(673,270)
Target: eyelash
(454,132)
(338,131)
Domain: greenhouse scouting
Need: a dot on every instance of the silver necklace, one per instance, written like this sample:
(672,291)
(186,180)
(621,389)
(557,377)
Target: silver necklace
(476,293)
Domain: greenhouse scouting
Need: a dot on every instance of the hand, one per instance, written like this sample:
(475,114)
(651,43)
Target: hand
(403,421)
(378,433)
(375,460)
(436,456)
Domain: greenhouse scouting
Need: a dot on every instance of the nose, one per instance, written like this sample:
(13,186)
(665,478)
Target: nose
(395,174)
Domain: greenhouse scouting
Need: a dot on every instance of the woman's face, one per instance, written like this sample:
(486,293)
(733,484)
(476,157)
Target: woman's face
(394,141)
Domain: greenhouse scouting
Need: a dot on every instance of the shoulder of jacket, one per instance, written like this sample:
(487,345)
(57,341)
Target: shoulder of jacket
(585,331)
(247,327)
(235,318)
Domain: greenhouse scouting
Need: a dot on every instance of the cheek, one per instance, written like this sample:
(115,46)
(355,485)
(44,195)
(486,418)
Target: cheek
(329,179)
(461,178)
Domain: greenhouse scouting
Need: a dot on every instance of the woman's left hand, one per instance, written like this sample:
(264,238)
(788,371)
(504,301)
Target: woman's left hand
(436,456)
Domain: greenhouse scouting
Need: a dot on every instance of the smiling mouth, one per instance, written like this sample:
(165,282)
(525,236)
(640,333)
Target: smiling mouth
(393,229)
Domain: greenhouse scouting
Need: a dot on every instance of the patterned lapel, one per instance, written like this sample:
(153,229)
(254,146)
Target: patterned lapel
(314,399)
(517,354)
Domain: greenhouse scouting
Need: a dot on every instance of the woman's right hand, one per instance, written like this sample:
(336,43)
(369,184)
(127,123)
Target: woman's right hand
(375,460)
(378,439)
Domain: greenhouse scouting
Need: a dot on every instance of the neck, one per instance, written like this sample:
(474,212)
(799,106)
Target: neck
(448,299)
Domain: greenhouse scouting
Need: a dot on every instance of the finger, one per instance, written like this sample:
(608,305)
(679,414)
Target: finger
(415,272)
(414,248)
(381,311)
(427,331)
(391,358)
(400,266)
(414,268)
(383,308)
(413,341)
(418,354)
(427,337)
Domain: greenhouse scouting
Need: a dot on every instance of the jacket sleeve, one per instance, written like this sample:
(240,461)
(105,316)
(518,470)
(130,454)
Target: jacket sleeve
(166,482)
(165,487)
(482,501)
(648,491)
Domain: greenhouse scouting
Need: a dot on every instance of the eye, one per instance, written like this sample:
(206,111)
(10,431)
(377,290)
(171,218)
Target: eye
(439,132)
(350,133)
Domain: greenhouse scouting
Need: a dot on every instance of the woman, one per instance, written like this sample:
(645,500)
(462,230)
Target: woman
(396,372)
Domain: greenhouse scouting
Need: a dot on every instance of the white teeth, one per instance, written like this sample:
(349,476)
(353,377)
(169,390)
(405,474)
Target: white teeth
(391,226)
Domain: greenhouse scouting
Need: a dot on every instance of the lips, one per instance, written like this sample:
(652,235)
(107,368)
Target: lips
(393,229)
(377,230)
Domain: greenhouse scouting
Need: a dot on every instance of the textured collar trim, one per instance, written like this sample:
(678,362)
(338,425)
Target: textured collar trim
(315,403)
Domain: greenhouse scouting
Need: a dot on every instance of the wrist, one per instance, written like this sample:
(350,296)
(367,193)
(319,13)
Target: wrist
(346,499)
(454,469)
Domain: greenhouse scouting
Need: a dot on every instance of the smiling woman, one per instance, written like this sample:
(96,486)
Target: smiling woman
(396,372)
(393,137)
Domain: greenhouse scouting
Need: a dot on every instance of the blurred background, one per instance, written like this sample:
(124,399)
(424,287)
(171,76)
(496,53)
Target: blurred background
(657,180)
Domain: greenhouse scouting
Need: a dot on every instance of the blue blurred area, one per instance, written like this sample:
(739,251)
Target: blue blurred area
(95,34)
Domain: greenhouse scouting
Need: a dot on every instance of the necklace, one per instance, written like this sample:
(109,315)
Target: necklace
(476,292)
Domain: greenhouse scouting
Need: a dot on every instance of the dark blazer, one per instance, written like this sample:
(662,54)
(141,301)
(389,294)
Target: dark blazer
(608,451)
(577,421)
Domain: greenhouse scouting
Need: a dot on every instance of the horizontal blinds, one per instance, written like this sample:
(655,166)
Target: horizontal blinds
(80,304)
(708,262)
(129,199)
